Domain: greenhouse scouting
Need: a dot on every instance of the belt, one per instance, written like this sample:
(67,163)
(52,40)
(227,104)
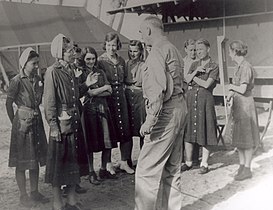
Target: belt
(133,87)
(27,112)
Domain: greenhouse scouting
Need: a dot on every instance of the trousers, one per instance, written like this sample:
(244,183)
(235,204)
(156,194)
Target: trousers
(158,168)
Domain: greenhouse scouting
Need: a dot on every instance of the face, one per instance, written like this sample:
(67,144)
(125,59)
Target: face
(111,47)
(32,65)
(90,60)
(202,51)
(231,54)
(69,56)
(145,33)
(134,52)
(191,51)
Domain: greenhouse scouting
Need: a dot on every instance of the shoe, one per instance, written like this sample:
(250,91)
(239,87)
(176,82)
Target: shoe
(26,201)
(79,189)
(203,170)
(104,174)
(124,166)
(239,171)
(185,167)
(245,174)
(110,168)
(93,179)
(38,197)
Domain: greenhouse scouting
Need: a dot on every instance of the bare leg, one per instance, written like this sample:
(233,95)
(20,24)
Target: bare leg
(205,156)
(188,150)
(57,198)
(248,157)
(21,181)
(241,156)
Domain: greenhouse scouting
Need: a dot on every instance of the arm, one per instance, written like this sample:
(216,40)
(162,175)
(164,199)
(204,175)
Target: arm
(239,89)
(50,105)
(154,86)
(12,93)
(204,83)
(9,108)
(101,90)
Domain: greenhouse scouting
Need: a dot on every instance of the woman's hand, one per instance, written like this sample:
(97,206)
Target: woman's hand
(77,72)
(200,69)
(108,88)
(91,79)
(230,98)
(55,134)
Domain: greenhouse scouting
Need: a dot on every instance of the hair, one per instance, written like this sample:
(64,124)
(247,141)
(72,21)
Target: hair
(139,45)
(66,44)
(239,47)
(32,55)
(90,50)
(189,42)
(204,42)
(110,37)
(154,21)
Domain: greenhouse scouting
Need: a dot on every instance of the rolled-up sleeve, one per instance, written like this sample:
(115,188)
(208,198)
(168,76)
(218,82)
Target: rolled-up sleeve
(154,84)
(50,105)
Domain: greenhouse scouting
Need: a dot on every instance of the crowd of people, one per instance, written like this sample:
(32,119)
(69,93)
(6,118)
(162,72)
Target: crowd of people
(96,103)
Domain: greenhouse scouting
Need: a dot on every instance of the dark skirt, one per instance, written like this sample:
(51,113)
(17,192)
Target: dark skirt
(28,146)
(245,122)
(62,164)
(201,118)
(119,111)
(136,109)
(98,126)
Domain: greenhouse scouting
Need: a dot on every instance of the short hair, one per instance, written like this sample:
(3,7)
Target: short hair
(90,50)
(154,21)
(189,42)
(32,55)
(203,41)
(239,47)
(139,45)
(111,36)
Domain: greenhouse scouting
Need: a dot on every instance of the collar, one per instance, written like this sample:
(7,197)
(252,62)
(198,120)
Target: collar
(159,40)
(104,57)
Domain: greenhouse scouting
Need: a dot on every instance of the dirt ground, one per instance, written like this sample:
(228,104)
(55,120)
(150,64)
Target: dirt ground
(214,190)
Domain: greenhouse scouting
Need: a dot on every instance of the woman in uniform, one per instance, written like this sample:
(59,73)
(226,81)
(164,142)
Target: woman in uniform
(245,126)
(28,146)
(201,120)
(62,114)
(114,68)
(133,91)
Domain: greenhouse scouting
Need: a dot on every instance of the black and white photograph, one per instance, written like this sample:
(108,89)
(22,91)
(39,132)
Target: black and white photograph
(136,104)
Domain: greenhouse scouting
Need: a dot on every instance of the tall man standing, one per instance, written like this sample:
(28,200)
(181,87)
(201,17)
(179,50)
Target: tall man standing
(160,158)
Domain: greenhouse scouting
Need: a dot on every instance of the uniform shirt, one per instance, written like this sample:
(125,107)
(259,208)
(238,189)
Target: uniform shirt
(211,71)
(61,89)
(115,73)
(163,57)
(243,74)
(25,92)
(133,73)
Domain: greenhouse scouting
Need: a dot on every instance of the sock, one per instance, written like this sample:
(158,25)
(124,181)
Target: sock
(204,164)
(189,163)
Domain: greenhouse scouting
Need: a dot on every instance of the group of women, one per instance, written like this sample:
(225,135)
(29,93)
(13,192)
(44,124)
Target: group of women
(201,76)
(111,111)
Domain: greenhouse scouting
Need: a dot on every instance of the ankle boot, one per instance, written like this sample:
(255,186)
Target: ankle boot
(245,174)
(124,166)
